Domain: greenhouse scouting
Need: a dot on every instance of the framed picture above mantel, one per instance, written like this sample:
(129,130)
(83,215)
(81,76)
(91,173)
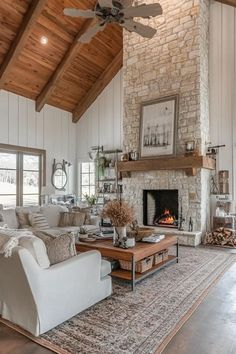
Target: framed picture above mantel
(158,127)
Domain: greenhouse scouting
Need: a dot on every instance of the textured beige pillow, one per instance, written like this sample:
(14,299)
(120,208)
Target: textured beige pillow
(58,248)
(72,219)
(23,219)
(79,219)
(87,212)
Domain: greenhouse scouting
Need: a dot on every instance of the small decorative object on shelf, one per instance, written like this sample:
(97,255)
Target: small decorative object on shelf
(121,215)
(133,156)
(190,148)
(224,182)
(124,157)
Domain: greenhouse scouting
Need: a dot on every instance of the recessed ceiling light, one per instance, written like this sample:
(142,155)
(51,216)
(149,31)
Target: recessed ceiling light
(43,40)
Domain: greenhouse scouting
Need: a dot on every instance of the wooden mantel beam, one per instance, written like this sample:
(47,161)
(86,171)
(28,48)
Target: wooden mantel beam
(62,67)
(99,86)
(228,2)
(21,38)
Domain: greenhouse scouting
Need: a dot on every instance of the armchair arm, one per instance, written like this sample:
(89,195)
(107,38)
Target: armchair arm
(67,278)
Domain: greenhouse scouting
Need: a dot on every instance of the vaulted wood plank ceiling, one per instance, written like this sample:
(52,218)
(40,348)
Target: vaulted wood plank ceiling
(63,72)
(228,2)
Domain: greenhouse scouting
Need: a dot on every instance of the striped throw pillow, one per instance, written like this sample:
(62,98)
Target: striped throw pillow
(38,221)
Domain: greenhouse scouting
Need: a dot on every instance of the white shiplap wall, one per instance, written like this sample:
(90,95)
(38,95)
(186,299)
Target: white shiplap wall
(223,86)
(102,122)
(51,129)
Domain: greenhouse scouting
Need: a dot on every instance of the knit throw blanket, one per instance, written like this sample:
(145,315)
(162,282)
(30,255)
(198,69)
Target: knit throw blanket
(7,243)
(9,239)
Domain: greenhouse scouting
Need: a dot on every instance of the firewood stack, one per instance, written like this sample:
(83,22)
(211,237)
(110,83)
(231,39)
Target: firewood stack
(221,237)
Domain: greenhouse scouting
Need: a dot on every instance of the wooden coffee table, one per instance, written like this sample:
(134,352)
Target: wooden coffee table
(135,254)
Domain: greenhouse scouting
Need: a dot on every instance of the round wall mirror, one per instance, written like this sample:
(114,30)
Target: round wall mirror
(59,176)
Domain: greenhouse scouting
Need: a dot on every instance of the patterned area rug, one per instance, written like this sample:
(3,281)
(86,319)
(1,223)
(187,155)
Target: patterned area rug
(139,322)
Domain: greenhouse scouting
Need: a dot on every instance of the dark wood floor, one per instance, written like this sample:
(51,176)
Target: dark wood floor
(210,330)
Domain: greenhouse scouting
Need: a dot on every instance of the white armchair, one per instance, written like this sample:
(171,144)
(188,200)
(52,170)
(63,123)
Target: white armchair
(39,299)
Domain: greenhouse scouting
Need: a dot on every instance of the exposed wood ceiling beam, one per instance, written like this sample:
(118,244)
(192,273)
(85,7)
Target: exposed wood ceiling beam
(21,38)
(98,87)
(228,2)
(62,67)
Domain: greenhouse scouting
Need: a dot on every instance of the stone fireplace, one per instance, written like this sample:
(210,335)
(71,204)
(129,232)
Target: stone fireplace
(174,62)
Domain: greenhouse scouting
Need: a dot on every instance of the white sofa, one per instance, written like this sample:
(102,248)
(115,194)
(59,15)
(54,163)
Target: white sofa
(39,299)
(51,213)
(37,296)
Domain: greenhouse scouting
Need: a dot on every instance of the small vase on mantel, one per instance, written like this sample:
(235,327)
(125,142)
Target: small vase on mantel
(119,236)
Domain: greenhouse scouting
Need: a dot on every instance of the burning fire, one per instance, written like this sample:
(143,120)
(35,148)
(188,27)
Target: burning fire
(167,218)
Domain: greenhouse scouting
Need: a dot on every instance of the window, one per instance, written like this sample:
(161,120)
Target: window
(87,179)
(21,175)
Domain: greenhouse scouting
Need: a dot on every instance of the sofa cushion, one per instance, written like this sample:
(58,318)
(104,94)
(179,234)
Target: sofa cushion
(8,217)
(23,215)
(105,268)
(52,213)
(38,221)
(59,248)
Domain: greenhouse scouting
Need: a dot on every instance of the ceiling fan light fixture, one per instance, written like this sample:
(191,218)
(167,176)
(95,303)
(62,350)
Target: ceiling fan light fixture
(121,12)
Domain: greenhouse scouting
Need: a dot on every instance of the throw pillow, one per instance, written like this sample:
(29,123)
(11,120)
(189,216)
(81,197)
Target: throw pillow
(23,218)
(8,217)
(87,212)
(59,248)
(79,219)
(72,219)
(38,221)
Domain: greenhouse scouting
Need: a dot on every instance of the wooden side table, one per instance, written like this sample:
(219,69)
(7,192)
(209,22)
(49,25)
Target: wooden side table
(139,252)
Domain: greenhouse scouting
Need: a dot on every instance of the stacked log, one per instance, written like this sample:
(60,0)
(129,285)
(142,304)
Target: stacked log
(221,237)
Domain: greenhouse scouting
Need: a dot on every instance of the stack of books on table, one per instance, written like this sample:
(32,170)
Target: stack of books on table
(153,238)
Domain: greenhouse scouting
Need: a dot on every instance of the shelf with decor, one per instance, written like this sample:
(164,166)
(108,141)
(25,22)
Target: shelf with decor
(108,182)
(190,164)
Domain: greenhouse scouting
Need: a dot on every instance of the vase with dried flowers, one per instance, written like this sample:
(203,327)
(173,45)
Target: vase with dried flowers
(121,215)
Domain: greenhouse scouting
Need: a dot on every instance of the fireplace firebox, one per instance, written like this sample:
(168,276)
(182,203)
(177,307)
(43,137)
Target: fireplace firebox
(161,208)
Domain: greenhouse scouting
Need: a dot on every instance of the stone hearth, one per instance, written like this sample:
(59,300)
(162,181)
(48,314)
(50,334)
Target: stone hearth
(175,61)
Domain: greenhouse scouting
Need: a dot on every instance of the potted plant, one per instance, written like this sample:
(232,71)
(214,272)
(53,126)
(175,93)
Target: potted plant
(121,215)
(83,232)
(90,199)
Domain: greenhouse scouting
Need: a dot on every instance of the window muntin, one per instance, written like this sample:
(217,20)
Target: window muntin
(87,179)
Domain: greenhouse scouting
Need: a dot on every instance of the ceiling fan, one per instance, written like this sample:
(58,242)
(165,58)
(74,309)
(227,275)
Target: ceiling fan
(117,11)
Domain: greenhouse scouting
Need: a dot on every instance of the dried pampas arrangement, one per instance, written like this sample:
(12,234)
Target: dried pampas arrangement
(119,212)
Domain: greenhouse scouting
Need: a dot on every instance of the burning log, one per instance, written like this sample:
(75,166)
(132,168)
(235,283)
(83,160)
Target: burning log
(221,237)
(166,219)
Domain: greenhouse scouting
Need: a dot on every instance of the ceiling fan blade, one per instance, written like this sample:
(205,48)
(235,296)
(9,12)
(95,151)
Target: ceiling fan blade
(91,32)
(143,10)
(105,3)
(79,13)
(126,3)
(142,30)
